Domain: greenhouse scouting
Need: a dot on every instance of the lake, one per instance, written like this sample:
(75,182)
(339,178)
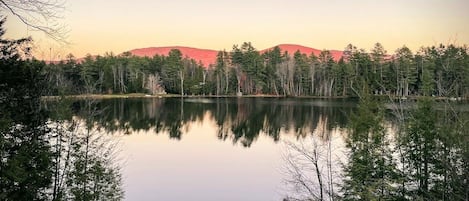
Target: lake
(197,148)
(217,148)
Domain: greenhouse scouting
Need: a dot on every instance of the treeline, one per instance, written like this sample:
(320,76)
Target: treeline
(432,71)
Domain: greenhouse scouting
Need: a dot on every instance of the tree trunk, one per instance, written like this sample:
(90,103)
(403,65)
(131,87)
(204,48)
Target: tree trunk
(318,174)
(218,84)
(313,71)
(331,85)
(181,76)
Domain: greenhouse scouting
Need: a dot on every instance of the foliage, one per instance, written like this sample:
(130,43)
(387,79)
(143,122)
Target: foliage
(25,156)
(370,173)
(433,160)
(42,159)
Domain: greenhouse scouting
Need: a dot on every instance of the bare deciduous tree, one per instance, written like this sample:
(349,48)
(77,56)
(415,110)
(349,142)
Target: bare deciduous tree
(153,84)
(40,15)
(310,167)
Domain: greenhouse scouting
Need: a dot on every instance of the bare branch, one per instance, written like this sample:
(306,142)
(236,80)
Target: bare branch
(40,15)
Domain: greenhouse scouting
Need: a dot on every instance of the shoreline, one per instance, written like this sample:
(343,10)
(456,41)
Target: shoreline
(141,95)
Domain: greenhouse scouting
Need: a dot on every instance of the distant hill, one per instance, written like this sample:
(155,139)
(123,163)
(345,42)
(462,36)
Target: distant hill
(291,49)
(207,57)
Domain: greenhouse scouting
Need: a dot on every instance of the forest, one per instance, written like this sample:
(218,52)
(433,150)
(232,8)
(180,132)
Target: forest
(439,71)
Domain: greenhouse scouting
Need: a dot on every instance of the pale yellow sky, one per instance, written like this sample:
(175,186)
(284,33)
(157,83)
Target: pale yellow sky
(99,26)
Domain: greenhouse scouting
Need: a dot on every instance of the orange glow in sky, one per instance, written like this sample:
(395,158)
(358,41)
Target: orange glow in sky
(99,26)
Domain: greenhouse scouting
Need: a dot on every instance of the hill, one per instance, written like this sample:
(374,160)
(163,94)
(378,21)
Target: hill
(291,49)
(207,57)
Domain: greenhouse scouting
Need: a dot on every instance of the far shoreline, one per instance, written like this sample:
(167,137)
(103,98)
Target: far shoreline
(142,95)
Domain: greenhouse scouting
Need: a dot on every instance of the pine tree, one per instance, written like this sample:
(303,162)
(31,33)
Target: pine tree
(377,56)
(173,69)
(406,70)
(434,152)
(273,59)
(370,173)
(25,156)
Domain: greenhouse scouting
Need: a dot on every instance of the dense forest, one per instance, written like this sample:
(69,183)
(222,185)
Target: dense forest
(441,71)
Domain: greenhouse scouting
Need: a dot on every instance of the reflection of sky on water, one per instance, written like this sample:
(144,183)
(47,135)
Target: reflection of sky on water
(218,149)
(200,167)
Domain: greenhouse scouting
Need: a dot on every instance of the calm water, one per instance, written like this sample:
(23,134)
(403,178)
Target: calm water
(223,148)
(214,149)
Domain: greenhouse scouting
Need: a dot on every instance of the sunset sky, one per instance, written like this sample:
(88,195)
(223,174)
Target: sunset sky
(99,26)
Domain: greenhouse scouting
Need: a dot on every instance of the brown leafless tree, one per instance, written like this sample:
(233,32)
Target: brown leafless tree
(310,167)
(40,15)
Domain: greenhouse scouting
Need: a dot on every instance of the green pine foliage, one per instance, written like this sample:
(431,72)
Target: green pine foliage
(434,157)
(370,173)
(25,156)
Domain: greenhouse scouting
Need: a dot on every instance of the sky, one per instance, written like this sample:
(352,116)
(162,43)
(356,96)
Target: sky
(100,26)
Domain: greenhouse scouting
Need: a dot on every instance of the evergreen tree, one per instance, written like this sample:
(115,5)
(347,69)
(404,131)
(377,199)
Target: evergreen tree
(433,160)
(370,173)
(273,59)
(25,156)
(377,56)
(406,71)
(301,73)
(173,69)
(220,73)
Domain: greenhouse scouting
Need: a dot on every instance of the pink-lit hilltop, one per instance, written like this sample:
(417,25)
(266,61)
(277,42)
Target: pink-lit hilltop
(291,49)
(207,57)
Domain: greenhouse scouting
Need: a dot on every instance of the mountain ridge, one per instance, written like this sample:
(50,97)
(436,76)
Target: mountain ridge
(208,56)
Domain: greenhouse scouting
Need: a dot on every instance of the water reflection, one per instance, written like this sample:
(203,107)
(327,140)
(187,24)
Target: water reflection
(175,148)
(240,120)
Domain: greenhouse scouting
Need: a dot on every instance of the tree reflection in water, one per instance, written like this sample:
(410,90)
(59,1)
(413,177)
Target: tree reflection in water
(240,120)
